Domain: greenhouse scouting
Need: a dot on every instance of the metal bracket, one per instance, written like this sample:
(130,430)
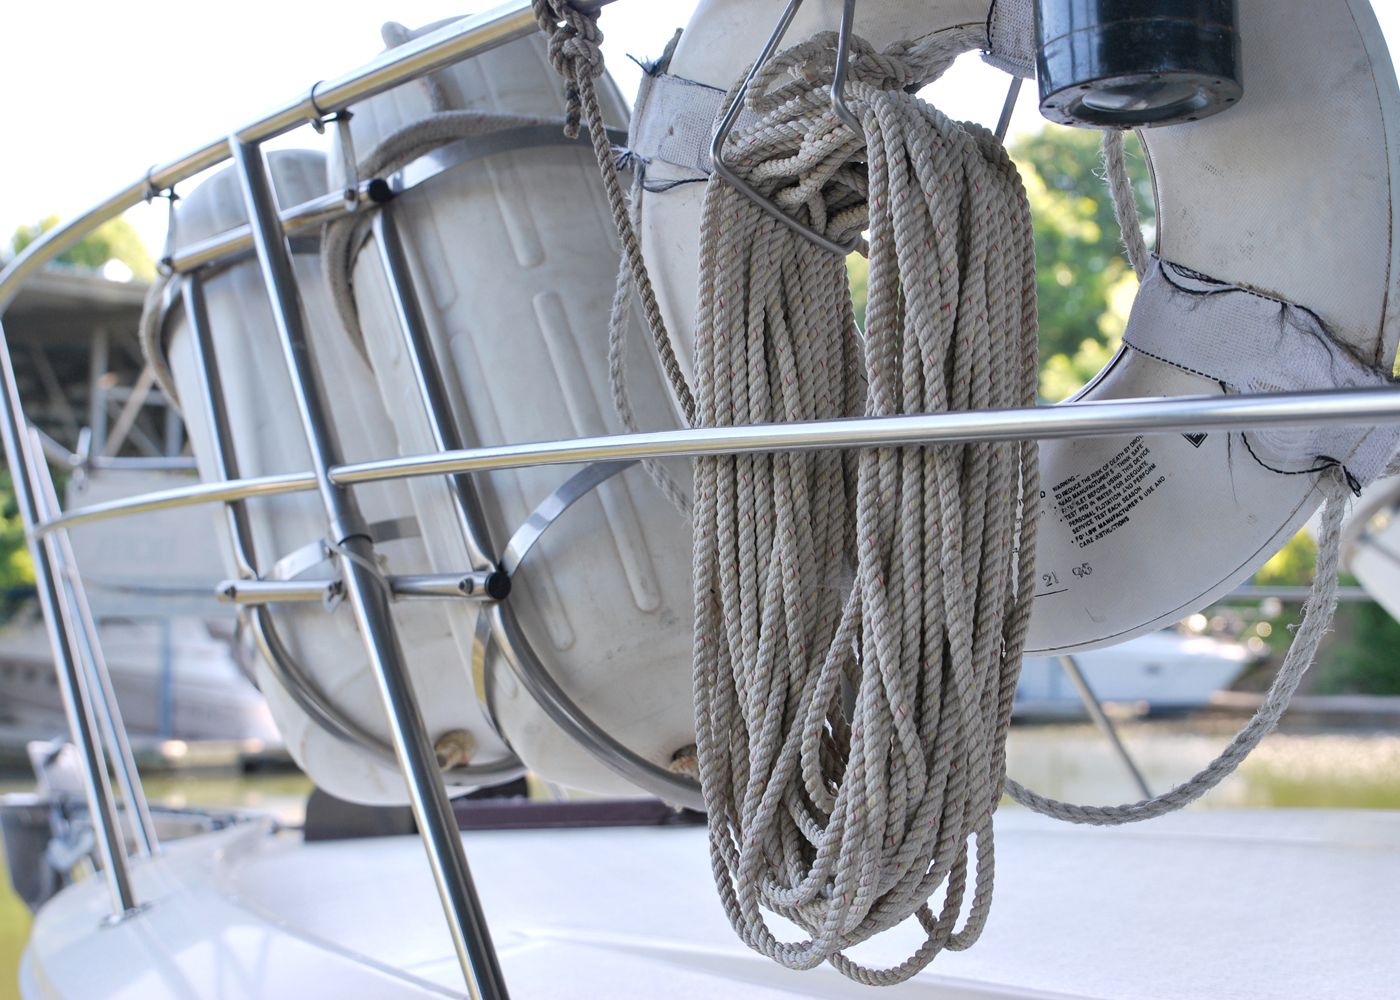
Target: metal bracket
(552,507)
(281,586)
(491,585)
(838,105)
(1094,707)
(299,560)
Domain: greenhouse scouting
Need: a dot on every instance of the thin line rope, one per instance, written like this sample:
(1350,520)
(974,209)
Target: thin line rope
(1120,187)
(619,325)
(151,324)
(1316,622)
(574,38)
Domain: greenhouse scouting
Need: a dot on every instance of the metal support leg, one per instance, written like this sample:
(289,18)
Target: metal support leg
(72,685)
(222,456)
(368,596)
(1101,719)
(83,638)
(428,377)
(1008,108)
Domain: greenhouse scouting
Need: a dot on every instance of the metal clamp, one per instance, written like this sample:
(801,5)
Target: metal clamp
(463,151)
(552,507)
(312,554)
(318,116)
(838,105)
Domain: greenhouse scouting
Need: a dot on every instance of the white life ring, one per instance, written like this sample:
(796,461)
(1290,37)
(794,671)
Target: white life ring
(267,439)
(1138,532)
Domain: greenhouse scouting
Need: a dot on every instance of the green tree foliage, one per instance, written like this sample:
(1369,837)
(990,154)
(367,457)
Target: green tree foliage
(1084,283)
(16,571)
(858,271)
(1364,661)
(113,240)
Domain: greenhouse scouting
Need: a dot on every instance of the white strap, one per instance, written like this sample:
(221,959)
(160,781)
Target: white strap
(674,119)
(1251,342)
(1011,26)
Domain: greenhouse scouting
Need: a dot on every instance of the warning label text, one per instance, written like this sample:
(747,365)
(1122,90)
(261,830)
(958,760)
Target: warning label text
(1098,503)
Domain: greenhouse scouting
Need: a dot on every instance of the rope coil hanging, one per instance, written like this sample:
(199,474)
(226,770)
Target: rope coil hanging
(853,674)
(851,738)
(860,618)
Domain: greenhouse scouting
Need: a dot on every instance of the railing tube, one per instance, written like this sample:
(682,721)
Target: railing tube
(83,637)
(72,686)
(368,595)
(1071,420)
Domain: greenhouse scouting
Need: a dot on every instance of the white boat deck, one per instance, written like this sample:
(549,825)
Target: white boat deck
(1226,905)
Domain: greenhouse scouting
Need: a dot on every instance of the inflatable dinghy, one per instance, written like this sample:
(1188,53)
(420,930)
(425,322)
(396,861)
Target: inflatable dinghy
(286,533)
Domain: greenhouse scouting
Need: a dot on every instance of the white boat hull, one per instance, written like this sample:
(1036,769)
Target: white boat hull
(1201,904)
(1164,671)
(209,698)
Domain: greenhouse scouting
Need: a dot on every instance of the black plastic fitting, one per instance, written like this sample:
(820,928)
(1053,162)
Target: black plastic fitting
(1136,63)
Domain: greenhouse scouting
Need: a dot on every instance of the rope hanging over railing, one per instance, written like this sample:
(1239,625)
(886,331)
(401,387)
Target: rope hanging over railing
(860,619)
(851,737)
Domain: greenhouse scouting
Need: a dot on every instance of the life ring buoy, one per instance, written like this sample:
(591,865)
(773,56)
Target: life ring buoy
(1277,269)
(325,646)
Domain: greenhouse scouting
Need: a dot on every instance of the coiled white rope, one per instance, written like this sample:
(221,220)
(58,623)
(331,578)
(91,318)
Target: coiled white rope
(851,732)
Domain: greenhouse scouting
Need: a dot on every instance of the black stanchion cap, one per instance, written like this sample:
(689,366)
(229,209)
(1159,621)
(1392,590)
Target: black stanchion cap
(1129,63)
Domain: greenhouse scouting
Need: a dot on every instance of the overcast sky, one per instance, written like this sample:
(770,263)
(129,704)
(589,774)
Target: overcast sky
(93,93)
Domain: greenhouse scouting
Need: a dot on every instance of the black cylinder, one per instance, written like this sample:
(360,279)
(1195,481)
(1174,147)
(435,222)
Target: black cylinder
(1128,63)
